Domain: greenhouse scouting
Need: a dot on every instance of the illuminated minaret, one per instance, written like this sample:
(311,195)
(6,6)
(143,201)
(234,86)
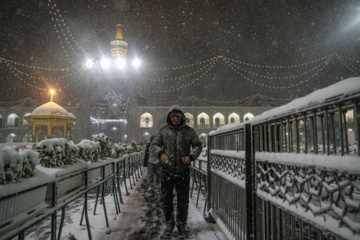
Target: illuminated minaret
(119,46)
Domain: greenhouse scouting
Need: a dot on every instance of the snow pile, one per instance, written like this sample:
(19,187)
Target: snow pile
(118,150)
(105,145)
(50,108)
(56,152)
(338,91)
(16,163)
(89,150)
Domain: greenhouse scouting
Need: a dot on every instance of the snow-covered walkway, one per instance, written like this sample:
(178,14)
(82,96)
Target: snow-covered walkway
(140,219)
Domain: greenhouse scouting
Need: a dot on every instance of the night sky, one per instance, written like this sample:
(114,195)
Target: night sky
(273,49)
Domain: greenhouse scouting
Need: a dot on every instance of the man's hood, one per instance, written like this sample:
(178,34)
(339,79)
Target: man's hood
(178,109)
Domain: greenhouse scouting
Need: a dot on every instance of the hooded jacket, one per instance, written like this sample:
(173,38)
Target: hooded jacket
(176,142)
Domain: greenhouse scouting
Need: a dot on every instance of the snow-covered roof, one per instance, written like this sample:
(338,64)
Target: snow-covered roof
(50,108)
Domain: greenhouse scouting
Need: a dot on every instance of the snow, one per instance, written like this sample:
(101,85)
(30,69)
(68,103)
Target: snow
(131,222)
(50,108)
(346,163)
(319,221)
(64,170)
(341,90)
(38,179)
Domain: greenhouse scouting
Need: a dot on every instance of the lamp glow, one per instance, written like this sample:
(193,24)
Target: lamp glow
(120,63)
(89,63)
(105,63)
(52,94)
(136,63)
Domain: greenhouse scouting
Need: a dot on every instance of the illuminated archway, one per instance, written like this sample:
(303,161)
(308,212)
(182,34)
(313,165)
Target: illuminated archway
(25,122)
(203,139)
(203,120)
(234,118)
(11,137)
(248,116)
(218,120)
(146,120)
(189,119)
(13,120)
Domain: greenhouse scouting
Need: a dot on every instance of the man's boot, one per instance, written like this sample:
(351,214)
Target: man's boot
(182,232)
(168,231)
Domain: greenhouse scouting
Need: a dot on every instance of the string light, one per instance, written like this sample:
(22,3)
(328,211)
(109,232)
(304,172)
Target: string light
(34,67)
(280,66)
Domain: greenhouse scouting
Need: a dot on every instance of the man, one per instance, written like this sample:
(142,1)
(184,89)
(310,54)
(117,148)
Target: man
(151,161)
(177,145)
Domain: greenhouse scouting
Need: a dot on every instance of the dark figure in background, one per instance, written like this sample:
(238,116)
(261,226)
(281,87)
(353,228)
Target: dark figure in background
(176,144)
(151,161)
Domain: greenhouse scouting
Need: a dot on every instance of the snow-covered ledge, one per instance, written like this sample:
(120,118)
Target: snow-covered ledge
(95,170)
(68,187)
(21,201)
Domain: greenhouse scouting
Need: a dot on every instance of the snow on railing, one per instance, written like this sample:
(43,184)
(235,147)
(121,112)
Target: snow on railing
(305,156)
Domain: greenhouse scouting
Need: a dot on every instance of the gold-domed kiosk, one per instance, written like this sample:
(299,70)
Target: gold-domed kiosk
(48,121)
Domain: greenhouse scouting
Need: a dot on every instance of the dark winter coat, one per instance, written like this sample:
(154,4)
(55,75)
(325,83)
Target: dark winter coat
(149,157)
(176,142)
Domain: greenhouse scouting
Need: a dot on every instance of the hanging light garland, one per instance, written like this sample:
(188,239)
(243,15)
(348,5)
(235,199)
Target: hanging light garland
(345,61)
(278,78)
(184,66)
(280,66)
(63,34)
(173,89)
(4,60)
(12,67)
(235,68)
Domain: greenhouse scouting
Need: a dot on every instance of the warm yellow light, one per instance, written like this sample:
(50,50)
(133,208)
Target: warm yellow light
(52,93)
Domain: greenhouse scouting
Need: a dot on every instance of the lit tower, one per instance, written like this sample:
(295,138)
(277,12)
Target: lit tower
(119,46)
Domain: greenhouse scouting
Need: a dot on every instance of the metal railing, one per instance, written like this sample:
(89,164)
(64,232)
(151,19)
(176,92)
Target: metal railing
(198,174)
(116,171)
(289,174)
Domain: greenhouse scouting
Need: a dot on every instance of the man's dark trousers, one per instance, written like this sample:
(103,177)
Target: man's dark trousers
(181,182)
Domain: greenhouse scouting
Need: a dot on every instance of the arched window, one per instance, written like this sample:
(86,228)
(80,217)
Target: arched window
(203,139)
(203,120)
(234,118)
(146,120)
(248,116)
(114,130)
(189,119)
(13,120)
(25,122)
(218,120)
(11,138)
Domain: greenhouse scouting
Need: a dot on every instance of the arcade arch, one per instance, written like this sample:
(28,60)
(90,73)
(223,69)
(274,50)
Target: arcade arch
(203,139)
(234,118)
(13,120)
(248,116)
(25,122)
(218,120)
(189,119)
(146,120)
(203,120)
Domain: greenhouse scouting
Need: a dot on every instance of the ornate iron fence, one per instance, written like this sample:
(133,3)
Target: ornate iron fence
(292,172)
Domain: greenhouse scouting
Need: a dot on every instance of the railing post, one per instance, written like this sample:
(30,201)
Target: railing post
(249,184)
(209,218)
